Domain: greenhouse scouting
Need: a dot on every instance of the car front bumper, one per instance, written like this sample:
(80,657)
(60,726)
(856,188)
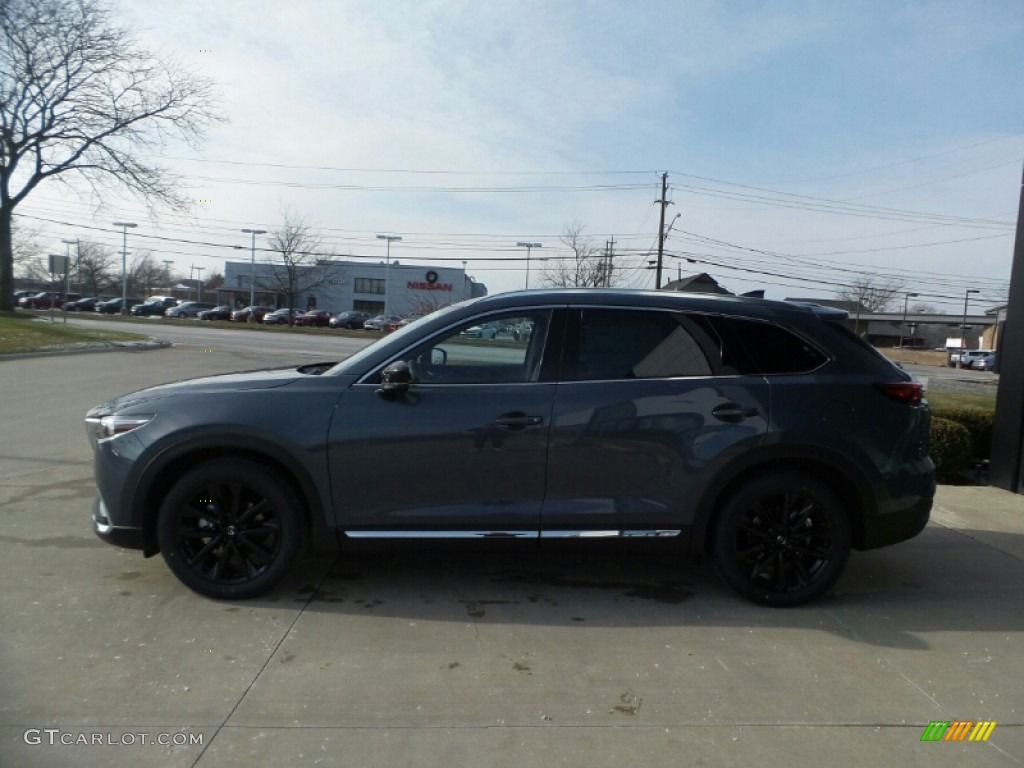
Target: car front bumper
(129,538)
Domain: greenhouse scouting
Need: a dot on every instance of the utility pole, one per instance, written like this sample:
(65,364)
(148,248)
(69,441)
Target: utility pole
(200,271)
(663,202)
(125,226)
(609,246)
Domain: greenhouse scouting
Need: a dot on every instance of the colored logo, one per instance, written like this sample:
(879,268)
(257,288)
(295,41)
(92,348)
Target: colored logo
(958,730)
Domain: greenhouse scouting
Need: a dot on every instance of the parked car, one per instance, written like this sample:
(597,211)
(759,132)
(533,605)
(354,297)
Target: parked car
(967,357)
(380,322)
(155,305)
(766,434)
(406,321)
(485,331)
(46,299)
(280,316)
(985,362)
(350,320)
(317,318)
(242,315)
(113,306)
(87,304)
(222,312)
(188,309)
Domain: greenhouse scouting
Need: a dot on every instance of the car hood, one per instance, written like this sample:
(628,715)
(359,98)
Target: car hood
(225,382)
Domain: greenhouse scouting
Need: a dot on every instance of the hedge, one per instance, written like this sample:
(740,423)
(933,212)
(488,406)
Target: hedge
(950,449)
(978,422)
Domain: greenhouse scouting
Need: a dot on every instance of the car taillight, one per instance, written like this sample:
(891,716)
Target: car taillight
(908,392)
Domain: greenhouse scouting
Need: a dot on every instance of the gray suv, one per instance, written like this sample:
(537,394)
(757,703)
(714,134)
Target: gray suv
(765,434)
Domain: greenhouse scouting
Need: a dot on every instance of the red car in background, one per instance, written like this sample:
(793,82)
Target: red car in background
(318,318)
(46,299)
(242,315)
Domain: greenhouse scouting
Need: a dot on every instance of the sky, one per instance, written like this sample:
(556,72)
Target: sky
(807,144)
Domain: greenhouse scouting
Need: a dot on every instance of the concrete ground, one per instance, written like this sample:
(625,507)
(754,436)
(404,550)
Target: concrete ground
(448,656)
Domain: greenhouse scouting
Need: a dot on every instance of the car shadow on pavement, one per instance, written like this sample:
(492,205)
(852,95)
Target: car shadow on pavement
(942,581)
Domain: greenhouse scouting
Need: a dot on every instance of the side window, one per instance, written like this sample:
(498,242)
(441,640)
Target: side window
(773,349)
(640,344)
(497,349)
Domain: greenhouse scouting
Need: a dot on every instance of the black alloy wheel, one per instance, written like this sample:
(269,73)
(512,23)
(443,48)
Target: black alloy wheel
(230,528)
(782,540)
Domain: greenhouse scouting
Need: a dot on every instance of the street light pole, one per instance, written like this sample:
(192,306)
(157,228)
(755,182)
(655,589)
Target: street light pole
(78,258)
(125,226)
(199,297)
(528,247)
(903,325)
(387,268)
(963,326)
(167,273)
(252,266)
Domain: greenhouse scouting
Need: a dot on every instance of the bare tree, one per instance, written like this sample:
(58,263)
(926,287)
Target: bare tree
(28,255)
(95,271)
(214,281)
(871,293)
(586,266)
(79,98)
(427,303)
(297,262)
(144,274)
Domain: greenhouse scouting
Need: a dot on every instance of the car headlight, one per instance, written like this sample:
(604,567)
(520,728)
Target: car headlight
(117,424)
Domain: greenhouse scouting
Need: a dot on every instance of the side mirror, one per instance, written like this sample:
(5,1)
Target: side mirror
(438,356)
(395,380)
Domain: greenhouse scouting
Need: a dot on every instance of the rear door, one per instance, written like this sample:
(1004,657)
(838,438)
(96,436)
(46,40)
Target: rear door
(647,399)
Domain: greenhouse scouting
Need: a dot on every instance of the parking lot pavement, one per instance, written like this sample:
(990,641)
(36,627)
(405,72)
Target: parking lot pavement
(444,655)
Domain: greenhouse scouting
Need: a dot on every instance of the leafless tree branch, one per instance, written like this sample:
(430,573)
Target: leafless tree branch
(79,98)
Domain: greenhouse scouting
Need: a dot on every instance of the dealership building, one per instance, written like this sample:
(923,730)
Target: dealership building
(339,286)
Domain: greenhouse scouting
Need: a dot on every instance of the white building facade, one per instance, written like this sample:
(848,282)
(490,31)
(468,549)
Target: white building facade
(339,286)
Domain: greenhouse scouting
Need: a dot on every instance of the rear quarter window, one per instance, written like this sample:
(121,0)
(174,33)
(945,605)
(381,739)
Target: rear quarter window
(773,349)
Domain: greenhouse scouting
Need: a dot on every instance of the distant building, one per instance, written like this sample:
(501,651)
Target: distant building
(339,286)
(702,283)
(853,307)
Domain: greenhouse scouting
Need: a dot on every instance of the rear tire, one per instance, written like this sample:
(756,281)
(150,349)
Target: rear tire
(230,528)
(782,540)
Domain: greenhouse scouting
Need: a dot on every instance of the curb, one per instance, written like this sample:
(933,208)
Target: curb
(144,346)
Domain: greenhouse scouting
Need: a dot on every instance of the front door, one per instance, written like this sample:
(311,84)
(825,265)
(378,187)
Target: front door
(464,451)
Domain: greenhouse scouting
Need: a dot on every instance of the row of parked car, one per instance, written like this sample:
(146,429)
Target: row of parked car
(320,318)
(169,306)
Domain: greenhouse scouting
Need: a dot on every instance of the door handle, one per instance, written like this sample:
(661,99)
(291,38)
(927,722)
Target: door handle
(518,421)
(733,412)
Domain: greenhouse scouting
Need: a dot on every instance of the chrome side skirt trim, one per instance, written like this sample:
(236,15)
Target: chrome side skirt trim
(442,534)
(631,534)
(627,534)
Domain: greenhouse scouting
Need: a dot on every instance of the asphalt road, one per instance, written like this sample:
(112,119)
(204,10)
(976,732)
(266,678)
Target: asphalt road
(443,656)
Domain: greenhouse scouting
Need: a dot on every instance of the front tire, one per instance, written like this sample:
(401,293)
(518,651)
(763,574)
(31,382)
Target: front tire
(782,540)
(230,528)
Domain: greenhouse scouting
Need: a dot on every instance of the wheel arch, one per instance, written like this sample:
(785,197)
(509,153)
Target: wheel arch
(848,481)
(163,474)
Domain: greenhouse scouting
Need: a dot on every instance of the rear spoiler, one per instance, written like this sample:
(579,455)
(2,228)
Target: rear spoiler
(828,313)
